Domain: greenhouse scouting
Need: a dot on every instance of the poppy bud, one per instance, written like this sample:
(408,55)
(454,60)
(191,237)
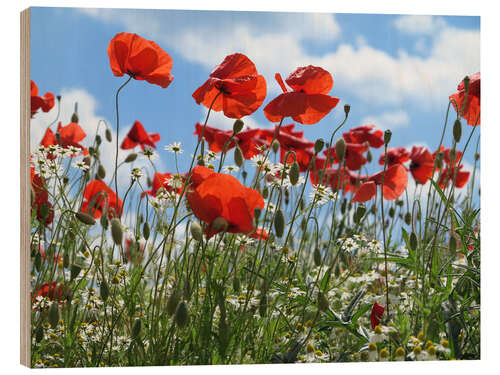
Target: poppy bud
(347,109)
(244,174)
(98,139)
(38,261)
(340,149)
(408,218)
(101,172)
(66,259)
(265,192)
(136,329)
(294,173)
(399,203)
(238,156)
(322,302)
(413,241)
(104,290)
(196,231)
(238,126)
(39,333)
(146,230)
(317,257)
(275,146)
(369,157)
(452,244)
(279,223)
(201,162)
(108,135)
(360,212)
(466,83)
(181,315)
(172,303)
(392,211)
(116,231)
(130,157)
(75,271)
(256,212)
(387,136)
(439,160)
(236,284)
(187,290)
(318,145)
(263,304)
(457,130)
(85,218)
(453,154)
(86,160)
(104,221)
(54,314)
(58,97)
(74,117)
(220,224)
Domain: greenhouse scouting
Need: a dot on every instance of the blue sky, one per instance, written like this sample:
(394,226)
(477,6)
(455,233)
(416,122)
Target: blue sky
(395,71)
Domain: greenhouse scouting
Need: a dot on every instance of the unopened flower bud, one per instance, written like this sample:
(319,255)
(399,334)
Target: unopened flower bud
(146,230)
(340,149)
(104,290)
(181,315)
(457,130)
(360,212)
(279,223)
(408,218)
(294,173)
(317,257)
(238,126)
(322,302)
(347,109)
(116,231)
(256,212)
(85,218)
(101,172)
(369,156)
(220,224)
(466,83)
(387,136)
(136,329)
(275,146)
(238,156)
(54,314)
(318,145)
(108,135)
(74,271)
(196,231)
(130,157)
(172,302)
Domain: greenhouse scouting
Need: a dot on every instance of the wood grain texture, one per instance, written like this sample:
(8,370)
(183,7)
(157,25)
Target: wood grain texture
(25,190)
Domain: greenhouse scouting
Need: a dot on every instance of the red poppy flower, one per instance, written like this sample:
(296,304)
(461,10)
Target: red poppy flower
(395,182)
(44,210)
(354,158)
(54,291)
(57,258)
(422,164)
(395,155)
(138,136)
(240,88)
(99,198)
(69,135)
(139,58)
(160,180)
(336,178)
(472,108)
(308,103)
(218,195)
(448,174)
(260,233)
(364,133)
(376,314)
(45,102)
(134,251)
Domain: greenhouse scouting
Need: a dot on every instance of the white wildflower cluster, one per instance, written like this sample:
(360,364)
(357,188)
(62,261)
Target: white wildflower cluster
(174,148)
(321,194)
(149,153)
(230,169)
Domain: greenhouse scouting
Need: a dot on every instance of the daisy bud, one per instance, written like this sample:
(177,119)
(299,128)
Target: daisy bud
(116,231)
(360,212)
(136,329)
(400,354)
(340,149)
(130,157)
(220,224)
(317,257)
(196,231)
(275,146)
(104,290)
(238,156)
(181,315)
(457,130)
(318,145)
(74,117)
(108,135)
(238,126)
(101,172)
(387,136)
(85,218)
(294,173)
(347,109)
(75,271)
(146,231)
(384,354)
(54,314)
(172,303)
(322,302)
(279,223)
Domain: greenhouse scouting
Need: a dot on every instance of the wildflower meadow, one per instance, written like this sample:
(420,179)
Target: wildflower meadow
(268,247)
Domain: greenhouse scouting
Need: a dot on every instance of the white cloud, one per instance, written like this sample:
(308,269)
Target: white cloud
(389,120)
(419,24)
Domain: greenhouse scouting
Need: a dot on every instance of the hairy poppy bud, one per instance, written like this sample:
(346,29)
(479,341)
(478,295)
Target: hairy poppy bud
(275,146)
(392,211)
(279,223)
(318,145)
(116,231)
(340,149)
(196,231)
(181,315)
(360,212)
(172,303)
(74,117)
(453,154)
(146,231)
(85,218)
(54,314)
(101,172)
(347,109)
(130,157)
(317,257)
(238,156)
(387,136)
(439,159)
(457,130)
(369,156)
(98,139)
(104,290)
(220,224)
(413,241)
(104,221)
(343,206)
(408,218)
(136,329)
(238,126)
(74,271)
(265,192)
(294,173)
(256,212)
(236,284)
(322,302)
(108,135)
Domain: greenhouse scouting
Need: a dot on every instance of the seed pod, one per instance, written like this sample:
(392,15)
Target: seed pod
(220,224)
(104,290)
(146,230)
(318,145)
(360,212)
(108,135)
(322,302)
(181,315)
(275,146)
(387,136)
(74,271)
(279,223)
(347,109)
(238,156)
(54,314)
(408,218)
(238,126)
(236,284)
(136,329)
(101,172)
(294,173)
(413,241)
(116,231)
(131,157)
(457,130)
(317,257)
(172,302)
(196,231)
(39,333)
(340,147)
(85,218)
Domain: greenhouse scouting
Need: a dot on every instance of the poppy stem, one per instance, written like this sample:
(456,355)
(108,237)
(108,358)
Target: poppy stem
(117,146)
